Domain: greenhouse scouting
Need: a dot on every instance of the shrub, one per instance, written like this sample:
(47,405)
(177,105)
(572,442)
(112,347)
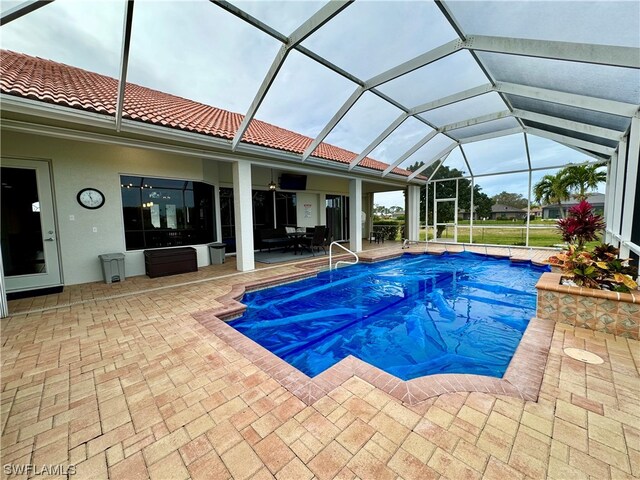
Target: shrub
(388,228)
(600,268)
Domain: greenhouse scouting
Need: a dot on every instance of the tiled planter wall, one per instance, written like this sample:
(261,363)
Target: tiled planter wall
(603,311)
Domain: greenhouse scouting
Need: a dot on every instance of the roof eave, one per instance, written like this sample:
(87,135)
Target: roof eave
(39,109)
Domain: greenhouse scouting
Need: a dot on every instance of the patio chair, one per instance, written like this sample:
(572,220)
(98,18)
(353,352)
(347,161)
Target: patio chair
(317,240)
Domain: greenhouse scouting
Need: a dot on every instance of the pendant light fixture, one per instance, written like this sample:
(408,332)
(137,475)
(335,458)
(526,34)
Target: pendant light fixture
(272,186)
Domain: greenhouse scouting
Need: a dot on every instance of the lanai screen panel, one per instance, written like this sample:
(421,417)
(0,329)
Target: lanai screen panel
(470,108)
(570,112)
(455,73)
(202,54)
(503,154)
(429,151)
(602,23)
(368,38)
(493,126)
(92,41)
(455,160)
(580,136)
(363,123)
(284,16)
(401,140)
(304,96)
(547,153)
(601,81)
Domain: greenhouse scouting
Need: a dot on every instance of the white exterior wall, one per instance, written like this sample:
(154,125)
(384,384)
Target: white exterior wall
(307,205)
(77,165)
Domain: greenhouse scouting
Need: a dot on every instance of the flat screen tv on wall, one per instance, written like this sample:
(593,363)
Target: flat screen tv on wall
(290,181)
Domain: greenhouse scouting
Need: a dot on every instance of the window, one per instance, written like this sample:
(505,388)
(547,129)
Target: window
(286,214)
(160,212)
(263,212)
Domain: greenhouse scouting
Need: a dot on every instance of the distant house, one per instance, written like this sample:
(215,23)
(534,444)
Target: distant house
(505,212)
(465,215)
(398,213)
(553,210)
(536,212)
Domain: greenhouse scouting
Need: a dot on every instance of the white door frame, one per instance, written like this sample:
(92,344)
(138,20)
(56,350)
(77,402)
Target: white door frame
(51,250)
(455,217)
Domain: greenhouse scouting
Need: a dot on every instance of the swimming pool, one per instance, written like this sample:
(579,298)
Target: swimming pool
(411,316)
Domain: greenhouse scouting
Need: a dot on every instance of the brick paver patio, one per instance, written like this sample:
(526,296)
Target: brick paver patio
(134,386)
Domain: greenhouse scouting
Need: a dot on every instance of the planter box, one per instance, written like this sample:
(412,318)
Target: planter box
(599,310)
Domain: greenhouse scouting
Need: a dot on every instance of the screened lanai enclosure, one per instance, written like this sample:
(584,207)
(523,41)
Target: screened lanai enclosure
(507,90)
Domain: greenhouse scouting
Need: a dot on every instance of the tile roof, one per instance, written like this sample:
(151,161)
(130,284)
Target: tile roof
(52,82)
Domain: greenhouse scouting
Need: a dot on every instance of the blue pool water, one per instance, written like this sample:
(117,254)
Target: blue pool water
(412,316)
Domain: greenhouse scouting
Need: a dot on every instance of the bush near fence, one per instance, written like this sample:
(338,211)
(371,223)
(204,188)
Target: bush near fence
(389,228)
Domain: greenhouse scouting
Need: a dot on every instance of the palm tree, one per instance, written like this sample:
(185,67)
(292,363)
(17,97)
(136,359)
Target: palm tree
(552,189)
(580,178)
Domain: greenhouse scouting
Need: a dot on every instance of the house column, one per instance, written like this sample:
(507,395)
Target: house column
(412,215)
(615,222)
(322,209)
(631,180)
(242,202)
(609,195)
(355,214)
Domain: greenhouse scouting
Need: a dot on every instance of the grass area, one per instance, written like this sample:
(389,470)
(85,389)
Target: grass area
(538,237)
(542,234)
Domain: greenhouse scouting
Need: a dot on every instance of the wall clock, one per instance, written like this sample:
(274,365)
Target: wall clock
(90,198)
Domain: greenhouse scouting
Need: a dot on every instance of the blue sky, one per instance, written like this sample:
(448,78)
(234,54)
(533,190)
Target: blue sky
(199,51)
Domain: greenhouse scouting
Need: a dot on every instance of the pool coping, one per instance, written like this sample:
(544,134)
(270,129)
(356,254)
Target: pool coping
(522,379)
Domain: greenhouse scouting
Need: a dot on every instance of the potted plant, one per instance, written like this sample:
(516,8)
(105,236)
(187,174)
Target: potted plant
(594,289)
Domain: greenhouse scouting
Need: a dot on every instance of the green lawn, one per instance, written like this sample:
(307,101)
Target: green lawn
(542,234)
(538,237)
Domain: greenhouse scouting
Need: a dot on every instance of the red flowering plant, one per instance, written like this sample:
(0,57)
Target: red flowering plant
(599,268)
(581,225)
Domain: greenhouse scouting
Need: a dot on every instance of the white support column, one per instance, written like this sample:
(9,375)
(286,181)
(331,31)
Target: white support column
(216,199)
(616,223)
(412,217)
(242,202)
(526,242)
(322,209)
(455,212)
(435,210)
(528,152)
(355,214)
(426,212)
(472,210)
(631,180)
(610,189)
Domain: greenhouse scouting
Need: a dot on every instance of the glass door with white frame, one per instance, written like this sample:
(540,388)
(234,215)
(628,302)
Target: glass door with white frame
(28,235)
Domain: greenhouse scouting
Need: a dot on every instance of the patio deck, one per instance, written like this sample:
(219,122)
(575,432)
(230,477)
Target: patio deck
(122,381)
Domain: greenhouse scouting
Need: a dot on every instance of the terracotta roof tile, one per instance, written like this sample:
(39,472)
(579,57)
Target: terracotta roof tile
(47,81)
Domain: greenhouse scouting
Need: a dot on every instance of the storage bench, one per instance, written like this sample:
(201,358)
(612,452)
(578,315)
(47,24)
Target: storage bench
(170,261)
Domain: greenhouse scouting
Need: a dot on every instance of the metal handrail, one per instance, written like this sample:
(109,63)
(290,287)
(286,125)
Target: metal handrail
(341,261)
